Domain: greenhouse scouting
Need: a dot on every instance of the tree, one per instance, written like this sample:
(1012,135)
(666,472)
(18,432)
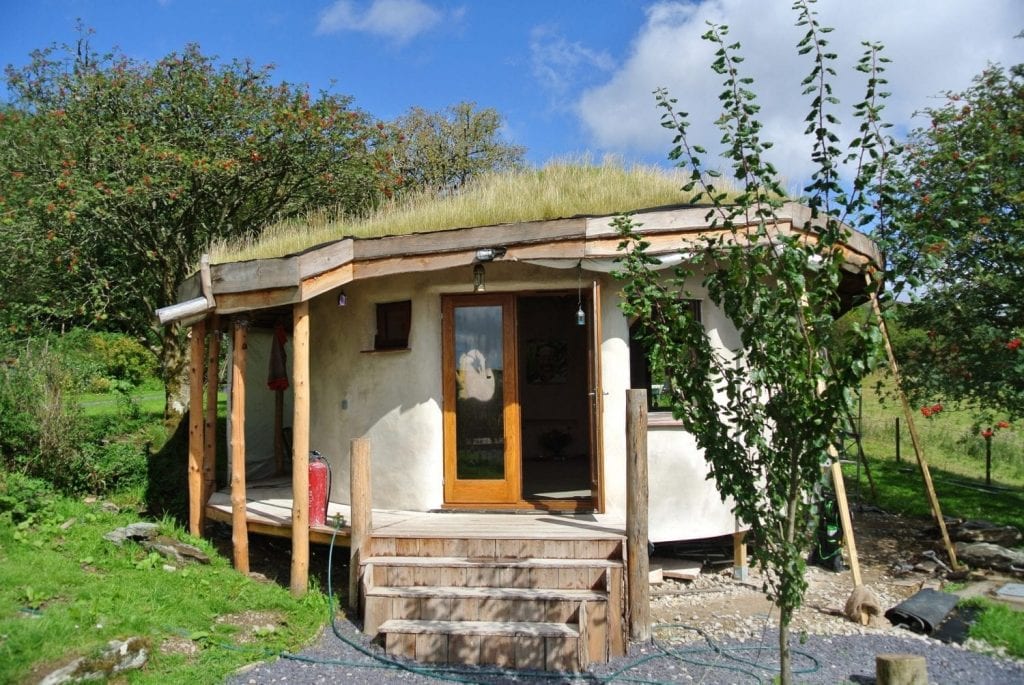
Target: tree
(958,249)
(440,151)
(767,413)
(116,174)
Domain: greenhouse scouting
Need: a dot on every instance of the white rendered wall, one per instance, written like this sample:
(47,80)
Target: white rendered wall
(394,398)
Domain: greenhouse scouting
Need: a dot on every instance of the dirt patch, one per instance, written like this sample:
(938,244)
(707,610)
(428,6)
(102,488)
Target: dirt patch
(253,625)
(727,609)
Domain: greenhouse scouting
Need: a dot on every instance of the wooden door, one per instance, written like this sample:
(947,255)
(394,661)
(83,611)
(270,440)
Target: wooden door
(481,403)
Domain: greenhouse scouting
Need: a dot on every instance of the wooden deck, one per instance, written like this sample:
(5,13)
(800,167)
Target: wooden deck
(269,512)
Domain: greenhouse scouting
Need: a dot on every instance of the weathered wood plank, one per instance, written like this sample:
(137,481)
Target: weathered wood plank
(196,425)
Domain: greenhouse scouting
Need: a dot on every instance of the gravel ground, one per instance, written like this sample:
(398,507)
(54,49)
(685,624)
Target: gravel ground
(826,659)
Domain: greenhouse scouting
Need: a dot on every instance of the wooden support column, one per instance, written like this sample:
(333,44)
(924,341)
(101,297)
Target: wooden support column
(740,569)
(239,525)
(362,514)
(196,446)
(300,450)
(637,487)
(926,473)
(210,428)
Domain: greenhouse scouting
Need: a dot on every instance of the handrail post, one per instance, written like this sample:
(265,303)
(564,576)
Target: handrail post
(362,514)
(637,486)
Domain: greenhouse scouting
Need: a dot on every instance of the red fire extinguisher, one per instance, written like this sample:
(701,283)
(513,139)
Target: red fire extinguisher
(319,488)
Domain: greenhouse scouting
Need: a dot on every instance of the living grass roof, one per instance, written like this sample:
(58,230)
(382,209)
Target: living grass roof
(558,190)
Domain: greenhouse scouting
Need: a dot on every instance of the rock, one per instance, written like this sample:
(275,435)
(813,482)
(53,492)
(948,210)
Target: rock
(988,555)
(110,507)
(119,656)
(135,531)
(178,551)
(986,531)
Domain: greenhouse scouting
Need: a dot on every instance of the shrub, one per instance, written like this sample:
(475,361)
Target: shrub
(40,424)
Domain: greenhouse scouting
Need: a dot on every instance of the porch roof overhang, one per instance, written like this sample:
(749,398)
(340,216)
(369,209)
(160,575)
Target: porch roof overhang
(590,241)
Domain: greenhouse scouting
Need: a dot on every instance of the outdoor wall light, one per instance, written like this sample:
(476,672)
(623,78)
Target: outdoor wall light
(489,254)
(342,299)
(478,278)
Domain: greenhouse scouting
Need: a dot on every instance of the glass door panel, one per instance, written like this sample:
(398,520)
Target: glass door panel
(481,411)
(479,396)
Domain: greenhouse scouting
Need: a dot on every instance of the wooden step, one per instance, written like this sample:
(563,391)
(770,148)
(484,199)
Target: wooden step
(462,592)
(511,644)
(585,574)
(473,562)
(496,548)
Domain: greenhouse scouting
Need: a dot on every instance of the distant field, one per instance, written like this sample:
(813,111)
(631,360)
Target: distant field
(956,456)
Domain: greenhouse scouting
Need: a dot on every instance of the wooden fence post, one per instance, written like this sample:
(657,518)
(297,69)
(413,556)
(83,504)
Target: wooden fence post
(300,451)
(637,486)
(239,525)
(362,514)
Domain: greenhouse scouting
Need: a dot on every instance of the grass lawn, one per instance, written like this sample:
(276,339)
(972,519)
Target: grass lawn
(65,591)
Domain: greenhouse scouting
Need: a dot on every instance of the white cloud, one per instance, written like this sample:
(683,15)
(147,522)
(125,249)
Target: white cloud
(935,45)
(397,20)
(561,66)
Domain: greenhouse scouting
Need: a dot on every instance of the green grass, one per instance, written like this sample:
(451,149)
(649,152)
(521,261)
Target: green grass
(558,190)
(67,592)
(999,626)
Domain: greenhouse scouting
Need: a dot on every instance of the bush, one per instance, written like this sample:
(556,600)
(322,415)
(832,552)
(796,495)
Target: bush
(40,424)
(100,359)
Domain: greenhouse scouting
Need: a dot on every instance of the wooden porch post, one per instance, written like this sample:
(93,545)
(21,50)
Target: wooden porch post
(210,429)
(362,514)
(637,563)
(300,450)
(239,527)
(196,439)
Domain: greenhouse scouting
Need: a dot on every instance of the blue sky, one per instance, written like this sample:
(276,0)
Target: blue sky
(570,77)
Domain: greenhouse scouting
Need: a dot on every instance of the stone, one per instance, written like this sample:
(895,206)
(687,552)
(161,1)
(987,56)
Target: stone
(988,555)
(178,551)
(139,531)
(986,531)
(118,656)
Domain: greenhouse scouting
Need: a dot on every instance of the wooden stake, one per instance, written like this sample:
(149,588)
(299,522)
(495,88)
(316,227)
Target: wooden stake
(901,669)
(210,429)
(844,516)
(362,515)
(915,439)
(195,430)
(637,486)
(300,451)
(239,524)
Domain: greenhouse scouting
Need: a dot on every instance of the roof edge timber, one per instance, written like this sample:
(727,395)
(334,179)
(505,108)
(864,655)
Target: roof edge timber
(259,283)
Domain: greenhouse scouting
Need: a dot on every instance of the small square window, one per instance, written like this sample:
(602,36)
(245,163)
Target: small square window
(643,375)
(393,322)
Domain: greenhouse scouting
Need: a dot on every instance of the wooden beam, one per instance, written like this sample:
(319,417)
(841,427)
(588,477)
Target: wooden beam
(196,513)
(362,514)
(300,450)
(637,486)
(210,427)
(740,568)
(239,530)
(922,464)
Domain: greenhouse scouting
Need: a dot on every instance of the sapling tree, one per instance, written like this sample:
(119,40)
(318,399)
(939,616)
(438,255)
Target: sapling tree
(767,413)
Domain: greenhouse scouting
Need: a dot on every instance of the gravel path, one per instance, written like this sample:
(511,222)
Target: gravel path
(835,659)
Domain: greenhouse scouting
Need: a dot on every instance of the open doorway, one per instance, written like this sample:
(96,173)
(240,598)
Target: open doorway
(555,400)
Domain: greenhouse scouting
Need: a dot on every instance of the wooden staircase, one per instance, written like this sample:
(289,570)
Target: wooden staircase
(544,604)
